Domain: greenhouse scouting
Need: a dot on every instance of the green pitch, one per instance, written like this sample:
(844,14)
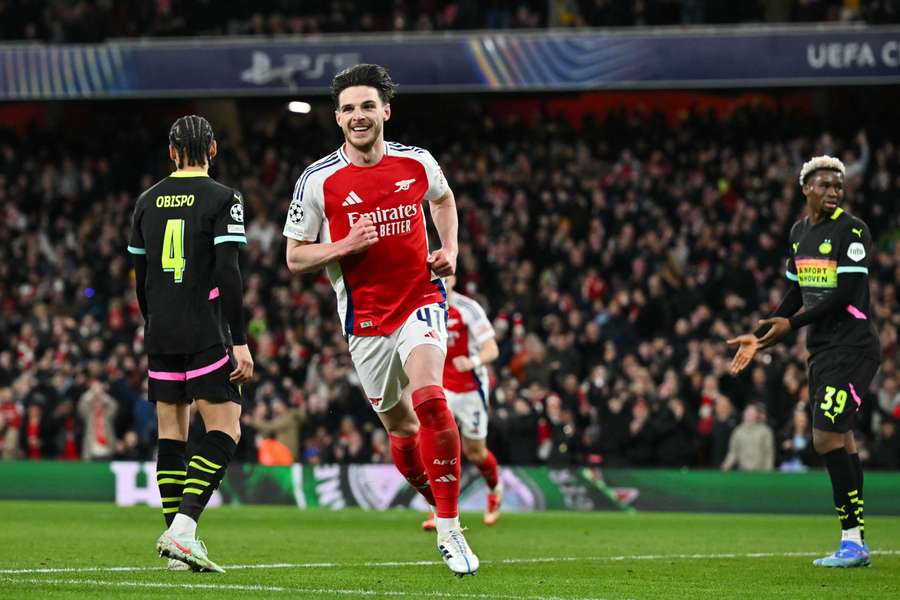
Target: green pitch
(81,550)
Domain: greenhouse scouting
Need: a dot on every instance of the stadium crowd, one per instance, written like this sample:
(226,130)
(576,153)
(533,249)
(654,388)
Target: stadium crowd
(613,258)
(85,21)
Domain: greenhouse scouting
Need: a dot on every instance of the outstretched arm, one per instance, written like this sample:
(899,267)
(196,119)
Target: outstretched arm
(750,343)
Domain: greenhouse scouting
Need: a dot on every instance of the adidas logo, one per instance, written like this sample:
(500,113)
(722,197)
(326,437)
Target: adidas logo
(446,478)
(431,334)
(352,199)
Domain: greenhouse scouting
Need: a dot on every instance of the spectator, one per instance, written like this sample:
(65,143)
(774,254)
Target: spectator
(129,447)
(675,436)
(97,410)
(724,425)
(560,444)
(886,451)
(752,444)
(350,446)
(34,435)
(10,422)
(520,425)
(641,439)
(796,451)
(283,424)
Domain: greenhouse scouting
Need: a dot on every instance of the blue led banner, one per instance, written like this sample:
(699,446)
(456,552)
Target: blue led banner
(496,61)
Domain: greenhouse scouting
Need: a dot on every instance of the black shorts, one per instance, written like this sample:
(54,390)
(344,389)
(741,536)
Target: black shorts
(837,383)
(183,378)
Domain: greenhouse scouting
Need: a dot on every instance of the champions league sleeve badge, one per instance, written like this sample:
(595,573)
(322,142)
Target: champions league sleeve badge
(295,212)
(237,213)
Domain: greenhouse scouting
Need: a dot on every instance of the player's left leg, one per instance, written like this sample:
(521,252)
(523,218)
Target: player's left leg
(853,451)
(851,551)
(439,437)
(440,447)
(207,466)
(835,387)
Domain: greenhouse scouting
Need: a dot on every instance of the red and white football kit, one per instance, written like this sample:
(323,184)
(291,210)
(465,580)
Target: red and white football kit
(467,393)
(388,299)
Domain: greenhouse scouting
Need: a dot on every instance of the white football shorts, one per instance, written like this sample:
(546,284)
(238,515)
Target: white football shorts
(379,360)
(470,411)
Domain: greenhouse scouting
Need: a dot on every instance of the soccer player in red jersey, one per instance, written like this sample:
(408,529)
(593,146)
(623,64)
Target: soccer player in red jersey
(358,212)
(470,346)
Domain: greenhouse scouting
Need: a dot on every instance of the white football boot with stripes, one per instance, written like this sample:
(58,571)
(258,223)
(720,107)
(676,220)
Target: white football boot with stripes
(456,553)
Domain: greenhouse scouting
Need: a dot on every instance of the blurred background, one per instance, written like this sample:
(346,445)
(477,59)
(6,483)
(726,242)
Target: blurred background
(626,177)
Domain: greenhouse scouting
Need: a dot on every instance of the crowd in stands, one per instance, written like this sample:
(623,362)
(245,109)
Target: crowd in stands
(83,21)
(613,258)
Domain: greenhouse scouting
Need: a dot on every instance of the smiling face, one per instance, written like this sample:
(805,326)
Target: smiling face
(824,191)
(361,115)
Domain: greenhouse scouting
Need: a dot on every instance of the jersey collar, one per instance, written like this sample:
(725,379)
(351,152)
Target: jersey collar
(188,174)
(343,155)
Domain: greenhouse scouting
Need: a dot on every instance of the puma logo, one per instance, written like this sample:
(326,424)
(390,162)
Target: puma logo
(858,232)
(831,416)
(795,245)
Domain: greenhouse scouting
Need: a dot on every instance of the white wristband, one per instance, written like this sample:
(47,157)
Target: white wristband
(476,361)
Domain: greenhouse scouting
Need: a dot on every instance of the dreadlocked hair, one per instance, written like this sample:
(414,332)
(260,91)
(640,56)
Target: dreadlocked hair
(192,136)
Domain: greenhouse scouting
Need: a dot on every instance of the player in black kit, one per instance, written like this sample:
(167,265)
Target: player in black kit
(185,236)
(829,268)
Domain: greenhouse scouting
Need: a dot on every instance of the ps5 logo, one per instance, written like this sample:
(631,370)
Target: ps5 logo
(316,65)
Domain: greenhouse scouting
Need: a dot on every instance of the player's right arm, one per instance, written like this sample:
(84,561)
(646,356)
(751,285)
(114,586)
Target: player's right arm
(772,326)
(138,252)
(770,330)
(306,224)
(305,256)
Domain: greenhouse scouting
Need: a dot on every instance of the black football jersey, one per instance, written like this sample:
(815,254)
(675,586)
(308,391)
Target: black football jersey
(820,254)
(177,224)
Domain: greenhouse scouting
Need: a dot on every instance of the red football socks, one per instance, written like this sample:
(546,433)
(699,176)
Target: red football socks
(408,460)
(488,470)
(440,448)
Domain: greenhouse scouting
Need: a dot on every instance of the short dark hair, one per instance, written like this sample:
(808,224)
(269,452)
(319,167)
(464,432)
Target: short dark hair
(374,76)
(192,136)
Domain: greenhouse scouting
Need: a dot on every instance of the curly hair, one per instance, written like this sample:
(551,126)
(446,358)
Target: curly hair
(374,76)
(817,163)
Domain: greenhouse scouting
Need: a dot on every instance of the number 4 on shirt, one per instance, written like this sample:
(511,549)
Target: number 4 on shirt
(173,260)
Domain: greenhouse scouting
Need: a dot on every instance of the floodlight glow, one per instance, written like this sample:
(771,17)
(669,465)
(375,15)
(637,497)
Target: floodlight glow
(299,107)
